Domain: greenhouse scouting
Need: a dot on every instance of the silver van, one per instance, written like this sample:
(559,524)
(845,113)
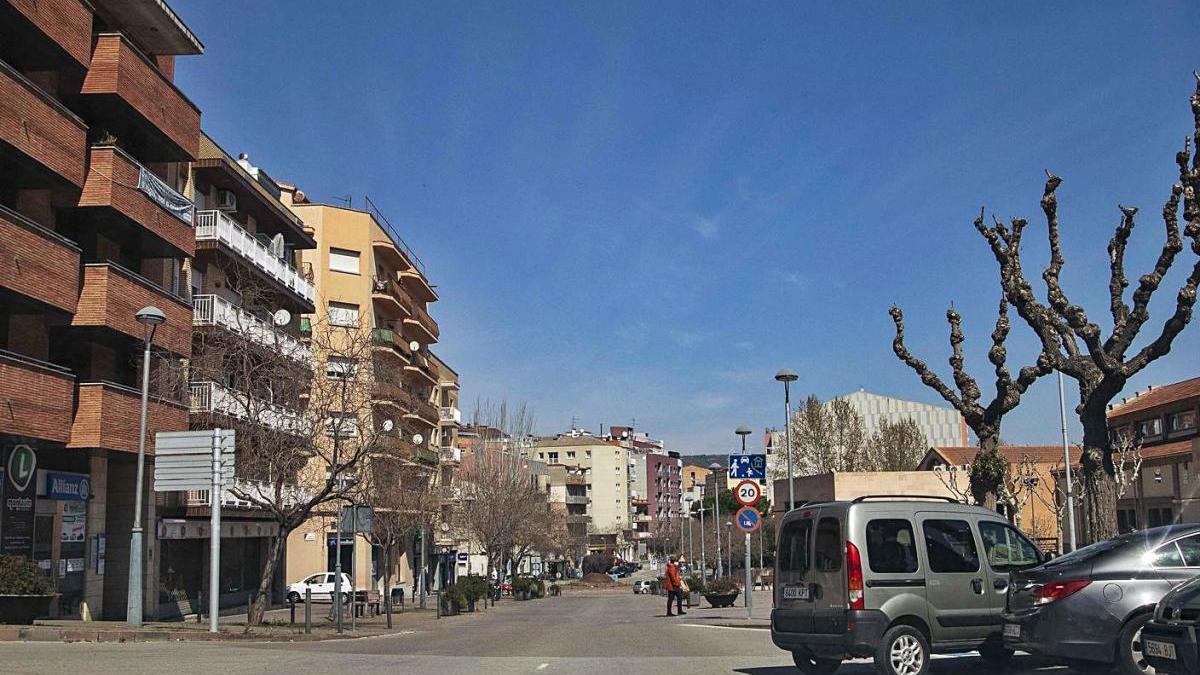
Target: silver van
(894,578)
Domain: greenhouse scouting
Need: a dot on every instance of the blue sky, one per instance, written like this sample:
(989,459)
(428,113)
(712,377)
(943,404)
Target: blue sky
(643,210)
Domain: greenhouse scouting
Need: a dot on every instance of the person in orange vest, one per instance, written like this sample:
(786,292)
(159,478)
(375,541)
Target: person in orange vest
(673,585)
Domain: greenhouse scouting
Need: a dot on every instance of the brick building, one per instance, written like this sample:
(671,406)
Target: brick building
(94,140)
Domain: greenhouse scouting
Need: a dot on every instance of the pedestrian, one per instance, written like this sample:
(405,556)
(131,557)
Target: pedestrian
(673,585)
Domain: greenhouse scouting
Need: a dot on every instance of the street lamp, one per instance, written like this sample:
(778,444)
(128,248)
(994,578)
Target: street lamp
(716,469)
(787,377)
(703,508)
(150,317)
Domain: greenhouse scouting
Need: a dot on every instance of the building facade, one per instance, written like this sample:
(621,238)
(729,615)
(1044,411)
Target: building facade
(941,425)
(94,225)
(604,465)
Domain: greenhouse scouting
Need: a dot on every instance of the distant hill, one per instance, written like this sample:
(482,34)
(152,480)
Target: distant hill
(704,460)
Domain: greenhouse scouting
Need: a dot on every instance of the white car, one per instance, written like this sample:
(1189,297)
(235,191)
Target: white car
(642,586)
(321,586)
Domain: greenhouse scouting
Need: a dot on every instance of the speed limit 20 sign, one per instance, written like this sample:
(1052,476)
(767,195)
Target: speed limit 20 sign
(747,493)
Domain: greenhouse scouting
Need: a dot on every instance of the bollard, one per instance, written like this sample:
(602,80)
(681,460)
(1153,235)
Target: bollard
(199,606)
(307,610)
(249,606)
(292,607)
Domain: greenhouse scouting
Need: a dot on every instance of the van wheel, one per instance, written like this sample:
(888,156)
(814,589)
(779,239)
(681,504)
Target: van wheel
(902,651)
(812,665)
(1130,659)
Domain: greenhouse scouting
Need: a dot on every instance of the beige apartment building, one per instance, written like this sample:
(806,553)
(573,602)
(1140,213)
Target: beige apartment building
(367,277)
(605,469)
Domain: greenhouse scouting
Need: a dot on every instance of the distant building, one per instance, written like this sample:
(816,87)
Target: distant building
(664,480)
(826,487)
(605,467)
(942,426)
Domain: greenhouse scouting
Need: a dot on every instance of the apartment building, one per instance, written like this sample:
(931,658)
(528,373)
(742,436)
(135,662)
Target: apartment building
(605,468)
(94,137)
(367,278)
(664,479)
(1163,423)
(445,396)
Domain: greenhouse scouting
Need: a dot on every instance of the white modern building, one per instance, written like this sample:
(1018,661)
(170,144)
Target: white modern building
(943,426)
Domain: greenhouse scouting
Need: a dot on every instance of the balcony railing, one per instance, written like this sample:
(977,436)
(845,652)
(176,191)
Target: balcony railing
(213,310)
(210,397)
(216,226)
(576,499)
(449,415)
(229,497)
(36,397)
(450,454)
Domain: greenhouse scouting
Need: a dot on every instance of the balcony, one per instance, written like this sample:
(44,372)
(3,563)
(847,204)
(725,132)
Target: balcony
(576,499)
(449,415)
(117,185)
(129,96)
(421,411)
(38,263)
(576,479)
(419,368)
(391,344)
(108,416)
(213,310)
(427,456)
(230,499)
(390,296)
(421,289)
(64,27)
(34,126)
(450,454)
(215,226)
(111,296)
(36,398)
(422,325)
(576,519)
(215,399)
(388,392)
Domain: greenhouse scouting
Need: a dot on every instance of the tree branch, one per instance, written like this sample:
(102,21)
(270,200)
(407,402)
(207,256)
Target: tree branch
(929,377)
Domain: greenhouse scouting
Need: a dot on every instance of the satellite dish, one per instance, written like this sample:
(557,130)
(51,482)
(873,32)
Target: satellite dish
(282,318)
(414,346)
(418,439)
(445,527)
(388,425)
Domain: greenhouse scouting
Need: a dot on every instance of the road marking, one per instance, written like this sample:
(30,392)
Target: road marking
(543,666)
(705,625)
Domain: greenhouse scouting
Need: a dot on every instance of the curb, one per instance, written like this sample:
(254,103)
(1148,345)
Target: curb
(43,634)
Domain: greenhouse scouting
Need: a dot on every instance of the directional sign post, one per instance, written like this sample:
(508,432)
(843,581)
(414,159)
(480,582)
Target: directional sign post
(195,460)
(749,519)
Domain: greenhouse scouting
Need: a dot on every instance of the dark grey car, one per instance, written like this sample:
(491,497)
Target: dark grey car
(1088,607)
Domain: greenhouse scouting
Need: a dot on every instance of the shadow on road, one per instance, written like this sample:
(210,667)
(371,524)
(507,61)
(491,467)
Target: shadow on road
(1020,665)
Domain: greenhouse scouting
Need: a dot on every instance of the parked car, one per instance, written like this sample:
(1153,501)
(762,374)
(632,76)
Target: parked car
(642,586)
(322,588)
(1089,607)
(893,578)
(1171,640)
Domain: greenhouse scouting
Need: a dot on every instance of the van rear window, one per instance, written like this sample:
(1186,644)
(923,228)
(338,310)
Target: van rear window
(793,546)
(891,546)
(829,550)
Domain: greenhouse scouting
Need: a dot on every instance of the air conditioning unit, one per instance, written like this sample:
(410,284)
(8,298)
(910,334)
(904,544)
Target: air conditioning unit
(226,200)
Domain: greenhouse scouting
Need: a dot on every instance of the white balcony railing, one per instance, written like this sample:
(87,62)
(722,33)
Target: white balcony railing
(450,454)
(216,226)
(213,310)
(210,397)
(449,415)
(247,494)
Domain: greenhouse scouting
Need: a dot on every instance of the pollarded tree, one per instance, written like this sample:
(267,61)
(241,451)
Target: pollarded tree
(896,446)
(1101,366)
(989,469)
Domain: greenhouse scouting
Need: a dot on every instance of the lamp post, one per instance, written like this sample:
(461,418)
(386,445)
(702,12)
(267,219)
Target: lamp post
(1062,411)
(150,317)
(703,508)
(729,543)
(787,377)
(717,470)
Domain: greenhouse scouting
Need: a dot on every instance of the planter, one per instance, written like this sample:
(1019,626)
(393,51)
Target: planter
(721,599)
(693,599)
(23,609)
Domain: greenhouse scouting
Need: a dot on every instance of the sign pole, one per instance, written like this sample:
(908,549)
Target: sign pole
(353,567)
(214,535)
(749,587)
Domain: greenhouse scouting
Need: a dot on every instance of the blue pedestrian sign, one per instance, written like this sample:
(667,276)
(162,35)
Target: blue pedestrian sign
(748,518)
(753,467)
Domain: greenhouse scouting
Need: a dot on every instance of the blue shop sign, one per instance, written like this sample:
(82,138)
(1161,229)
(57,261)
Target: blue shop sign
(68,486)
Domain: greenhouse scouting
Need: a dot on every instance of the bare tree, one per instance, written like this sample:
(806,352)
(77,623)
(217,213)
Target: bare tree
(826,437)
(957,481)
(988,471)
(1102,366)
(896,446)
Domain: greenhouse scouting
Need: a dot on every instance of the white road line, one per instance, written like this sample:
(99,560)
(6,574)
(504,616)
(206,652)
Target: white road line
(705,625)
(543,666)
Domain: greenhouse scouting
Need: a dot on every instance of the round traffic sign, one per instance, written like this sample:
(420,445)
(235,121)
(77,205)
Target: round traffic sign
(748,518)
(747,492)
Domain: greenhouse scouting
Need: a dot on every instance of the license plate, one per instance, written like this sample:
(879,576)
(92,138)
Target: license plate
(1163,650)
(1012,630)
(795,592)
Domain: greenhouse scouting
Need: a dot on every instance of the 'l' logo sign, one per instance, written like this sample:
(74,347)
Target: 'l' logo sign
(22,465)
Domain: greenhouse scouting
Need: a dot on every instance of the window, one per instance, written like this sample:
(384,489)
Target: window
(343,314)
(340,368)
(950,546)
(1151,427)
(343,260)
(570,454)
(1167,556)
(341,425)
(1006,549)
(1189,547)
(1126,520)
(552,457)
(1182,421)
(828,551)
(793,549)
(1159,517)
(891,546)
(587,453)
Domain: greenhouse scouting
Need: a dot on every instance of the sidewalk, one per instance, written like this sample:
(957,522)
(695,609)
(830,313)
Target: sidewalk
(734,617)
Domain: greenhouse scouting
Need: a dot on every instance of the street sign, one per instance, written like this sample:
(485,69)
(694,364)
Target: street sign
(183,460)
(360,519)
(748,518)
(748,466)
(747,493)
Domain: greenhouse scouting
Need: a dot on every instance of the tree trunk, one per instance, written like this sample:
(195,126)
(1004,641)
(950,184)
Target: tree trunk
(1099,498)
(261,598)
(387,583)
(985,486)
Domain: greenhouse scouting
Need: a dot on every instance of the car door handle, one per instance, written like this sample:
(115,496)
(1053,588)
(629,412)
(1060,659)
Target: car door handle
(977,585)
(1000,584)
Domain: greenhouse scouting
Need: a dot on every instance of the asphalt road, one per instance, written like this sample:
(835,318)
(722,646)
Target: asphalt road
(606,633)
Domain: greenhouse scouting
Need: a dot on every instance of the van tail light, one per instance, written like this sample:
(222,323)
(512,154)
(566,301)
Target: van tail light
(854,578)
(1057,590)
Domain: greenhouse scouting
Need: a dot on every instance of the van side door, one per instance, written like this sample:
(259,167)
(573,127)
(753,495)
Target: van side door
(894,580)
(1006,550)
(959,605)
(793,597)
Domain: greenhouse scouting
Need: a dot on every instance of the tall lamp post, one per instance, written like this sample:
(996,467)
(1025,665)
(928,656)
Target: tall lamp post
(703,508)
(717,470)
(150,317)
(787,377)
